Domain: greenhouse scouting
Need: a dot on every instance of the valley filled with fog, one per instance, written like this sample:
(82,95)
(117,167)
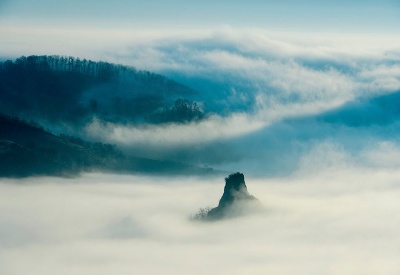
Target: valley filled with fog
(314,128)
(338,218)
(120,119)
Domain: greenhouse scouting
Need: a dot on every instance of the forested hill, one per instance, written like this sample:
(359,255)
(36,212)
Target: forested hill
(27,150)
(59,89)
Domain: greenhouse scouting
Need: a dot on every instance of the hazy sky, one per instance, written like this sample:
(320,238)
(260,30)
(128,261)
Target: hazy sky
(309,15)
(61,27)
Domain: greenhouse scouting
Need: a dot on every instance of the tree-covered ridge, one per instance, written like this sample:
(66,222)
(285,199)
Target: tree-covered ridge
(100,70)
(26,149)
(60,89)
(182,111)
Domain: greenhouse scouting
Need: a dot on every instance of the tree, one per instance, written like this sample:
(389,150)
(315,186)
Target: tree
(201,214)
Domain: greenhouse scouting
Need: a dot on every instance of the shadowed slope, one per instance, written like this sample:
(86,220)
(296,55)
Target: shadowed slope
(27,150)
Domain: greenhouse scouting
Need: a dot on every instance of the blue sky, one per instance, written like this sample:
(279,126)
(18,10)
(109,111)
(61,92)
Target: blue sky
(310,15)
(95,28)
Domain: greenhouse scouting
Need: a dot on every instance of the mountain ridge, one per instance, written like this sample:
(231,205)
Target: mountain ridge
(65,90)
(28,150)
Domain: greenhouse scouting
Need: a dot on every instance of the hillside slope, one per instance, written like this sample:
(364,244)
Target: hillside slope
(26,150)
(67,90)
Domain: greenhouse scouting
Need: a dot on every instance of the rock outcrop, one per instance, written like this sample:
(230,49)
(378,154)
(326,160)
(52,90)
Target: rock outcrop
(235,201)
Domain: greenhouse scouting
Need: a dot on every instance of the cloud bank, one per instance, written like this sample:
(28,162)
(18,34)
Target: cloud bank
(271,96)
(334,216)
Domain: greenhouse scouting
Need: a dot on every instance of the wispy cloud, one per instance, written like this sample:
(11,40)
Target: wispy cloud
(211,129)
(263,90)
(323,69)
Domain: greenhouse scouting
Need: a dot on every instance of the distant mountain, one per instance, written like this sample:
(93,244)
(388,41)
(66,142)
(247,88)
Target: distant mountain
(27,149)
(70,91)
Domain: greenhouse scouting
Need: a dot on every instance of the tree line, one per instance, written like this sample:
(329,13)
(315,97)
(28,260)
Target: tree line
(61,89)
(102,70)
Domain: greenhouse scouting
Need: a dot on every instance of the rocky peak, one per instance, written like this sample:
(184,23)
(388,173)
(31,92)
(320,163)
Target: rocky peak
(235,189)
(234,199)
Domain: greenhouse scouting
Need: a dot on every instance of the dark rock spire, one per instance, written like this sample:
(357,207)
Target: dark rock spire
(235,199)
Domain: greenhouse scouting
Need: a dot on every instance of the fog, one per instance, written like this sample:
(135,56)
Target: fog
(334,215)
(307,111)
(268,96)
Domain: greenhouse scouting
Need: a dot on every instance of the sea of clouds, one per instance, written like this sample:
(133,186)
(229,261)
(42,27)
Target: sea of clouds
(284,111)
(334,215)
(266,94)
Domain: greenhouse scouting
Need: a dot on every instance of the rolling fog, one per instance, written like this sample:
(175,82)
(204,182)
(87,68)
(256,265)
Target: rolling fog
(331,216)
(269,97)
(314,128)
(300,97)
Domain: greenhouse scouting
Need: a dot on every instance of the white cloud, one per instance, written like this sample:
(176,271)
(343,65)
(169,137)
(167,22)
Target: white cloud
(211,129)
(287,68)
(383,77)
(298,66)
(383,154)
(271,76)
(342,222)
